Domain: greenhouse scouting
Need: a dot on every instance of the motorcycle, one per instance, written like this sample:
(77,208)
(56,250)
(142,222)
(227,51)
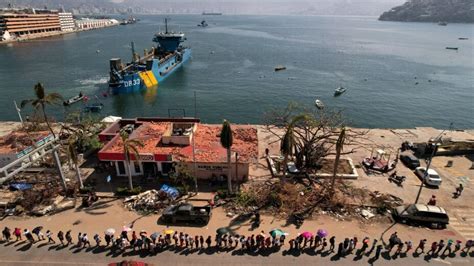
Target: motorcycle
(397,179)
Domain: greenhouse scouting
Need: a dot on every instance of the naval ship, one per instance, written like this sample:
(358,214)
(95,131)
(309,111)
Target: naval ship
(154,67)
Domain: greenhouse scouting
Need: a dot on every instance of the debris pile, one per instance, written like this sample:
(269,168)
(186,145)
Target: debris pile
(59,204)
(148,201)
(384,202)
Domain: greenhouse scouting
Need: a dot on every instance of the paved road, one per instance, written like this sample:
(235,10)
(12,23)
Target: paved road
(43,254)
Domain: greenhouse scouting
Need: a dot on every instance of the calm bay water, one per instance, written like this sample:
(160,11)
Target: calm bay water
(397,74)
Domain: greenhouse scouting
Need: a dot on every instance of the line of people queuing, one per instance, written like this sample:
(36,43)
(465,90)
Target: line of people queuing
(252,243)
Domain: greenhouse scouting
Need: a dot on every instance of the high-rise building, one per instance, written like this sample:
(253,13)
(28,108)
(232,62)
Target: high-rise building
(66,21)
(24,25)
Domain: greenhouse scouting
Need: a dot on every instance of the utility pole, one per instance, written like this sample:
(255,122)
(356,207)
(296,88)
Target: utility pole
(18,110)
(435,147)
(60,169)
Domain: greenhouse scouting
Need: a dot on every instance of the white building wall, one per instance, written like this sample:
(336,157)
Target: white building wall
(66,21)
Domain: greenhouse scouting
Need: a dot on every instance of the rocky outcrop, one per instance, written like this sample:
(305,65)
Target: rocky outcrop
(458,11)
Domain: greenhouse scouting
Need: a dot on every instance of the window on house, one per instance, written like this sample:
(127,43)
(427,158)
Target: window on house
(137,167)
(121,168)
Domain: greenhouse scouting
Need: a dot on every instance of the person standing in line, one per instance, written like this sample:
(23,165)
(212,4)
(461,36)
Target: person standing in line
(85,240)
(432,251)
(107,239)
(332,242)
(448,247)
(6,234)
(181,239)
(457,246)
(399,249)
(356,240)
(468,245)
(208,242)
(28,235)
(49,235)
(68,238)
(365,244)
(17,233)
(97,240)
(421,246)
(175,238)
(60,236)
(440,246)
(196,240)
(374,243)
(409,246)
(191,242)
(79,240)
(378,251)
(38,233)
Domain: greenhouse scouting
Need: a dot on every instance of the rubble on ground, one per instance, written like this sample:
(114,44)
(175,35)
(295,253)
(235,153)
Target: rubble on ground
(148,201)
(283,198)
(59,204)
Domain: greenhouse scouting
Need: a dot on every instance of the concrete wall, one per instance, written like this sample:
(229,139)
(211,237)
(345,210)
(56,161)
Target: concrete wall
(204,171)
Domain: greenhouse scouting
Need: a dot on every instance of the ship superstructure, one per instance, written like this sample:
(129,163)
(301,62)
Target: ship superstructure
(154,67)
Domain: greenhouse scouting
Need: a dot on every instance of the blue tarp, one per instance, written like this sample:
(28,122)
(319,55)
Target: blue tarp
(20,186)
(172,192)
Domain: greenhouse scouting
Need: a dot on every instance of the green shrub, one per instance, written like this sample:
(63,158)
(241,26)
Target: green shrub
(125,191)
(246,199)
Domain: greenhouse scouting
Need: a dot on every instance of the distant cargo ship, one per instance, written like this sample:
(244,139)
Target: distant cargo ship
(151,69)
(211,14)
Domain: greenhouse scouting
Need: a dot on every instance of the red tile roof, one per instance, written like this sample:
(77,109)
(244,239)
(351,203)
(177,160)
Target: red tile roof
(207,143)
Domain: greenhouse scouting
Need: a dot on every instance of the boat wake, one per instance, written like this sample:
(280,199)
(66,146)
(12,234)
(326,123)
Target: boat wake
(94,81)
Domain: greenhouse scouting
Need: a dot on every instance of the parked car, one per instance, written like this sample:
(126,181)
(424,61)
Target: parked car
(432,178)
(432,216)
(187,213)
(410,160)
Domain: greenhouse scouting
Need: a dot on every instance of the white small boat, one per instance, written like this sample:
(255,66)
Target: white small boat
(319,104)
(73,100)
(339,91)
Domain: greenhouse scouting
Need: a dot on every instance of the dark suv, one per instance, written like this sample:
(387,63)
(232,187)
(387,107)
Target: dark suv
(410,160)
(432,216)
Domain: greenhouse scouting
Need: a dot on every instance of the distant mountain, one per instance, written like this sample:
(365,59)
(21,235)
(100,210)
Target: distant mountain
(248,7)
(461,11)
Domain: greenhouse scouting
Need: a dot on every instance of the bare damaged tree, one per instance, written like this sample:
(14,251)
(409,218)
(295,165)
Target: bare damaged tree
(315,133)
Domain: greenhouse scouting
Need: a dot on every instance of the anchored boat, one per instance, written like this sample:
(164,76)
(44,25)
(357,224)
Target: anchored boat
(319,104)
(73,100)
(339,91)
(154,67)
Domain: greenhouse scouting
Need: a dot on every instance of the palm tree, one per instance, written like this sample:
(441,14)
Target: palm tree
(226,142)
(43,99)
(72,154)
(130,146)
(286,147)
(339,147)
(288,140)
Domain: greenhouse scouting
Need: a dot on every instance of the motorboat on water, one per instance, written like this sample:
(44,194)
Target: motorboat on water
(319,104)
(452,48)
(442,23)
(280,68)
(203,24)
(74,99)
(339,91)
